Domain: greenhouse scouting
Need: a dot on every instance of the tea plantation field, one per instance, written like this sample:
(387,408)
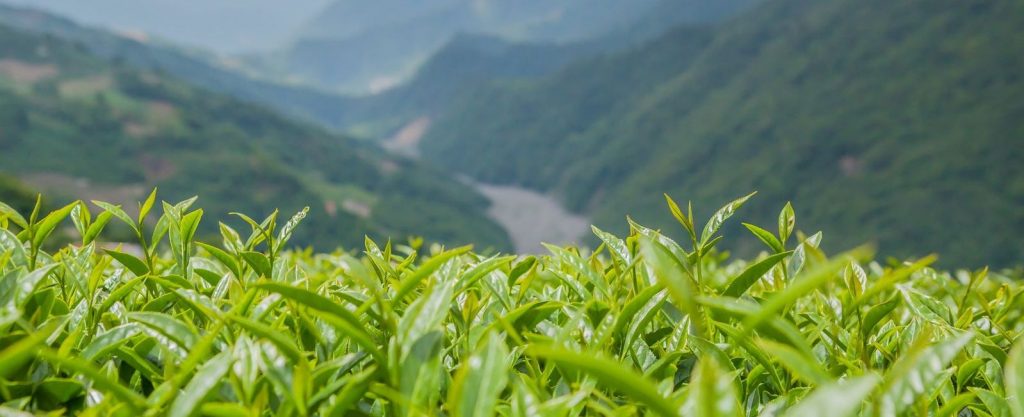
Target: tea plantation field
(641,325)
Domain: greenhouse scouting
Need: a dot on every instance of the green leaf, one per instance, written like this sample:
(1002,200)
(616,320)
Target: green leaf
(911,376)
(482,269)
(344,319)
(877,313)
(286,231)
(189,225)
(81,218)
(10,213)
(260,231)
(966,370)
(615,245)
(953,407)
(528,315)
(99,380)
(1013,375)
(120,293)
(96,227)
(259,263)
(223,257)
(224,410)
(136,265)
(839,399)
(420,372)
(669,273)
(996,405)
(147,205)
(203,382)
(677,251)
(281,341)
(26,284)
(13,357)
(766,237)
(109,340)
(683,219)
(179,332)
(609,374)
(481,379)
(712,393)
(412,280)
(61,390)
(752,274)
(119,213)
(723,214)
(634,306)
(351,393)
(50,222)
(426,313)
(802,366)
(926,307)
(802,286)
(6,411)
(891,278)
(787,221)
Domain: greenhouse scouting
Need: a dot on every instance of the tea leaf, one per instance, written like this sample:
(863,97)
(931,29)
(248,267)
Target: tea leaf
(839,399)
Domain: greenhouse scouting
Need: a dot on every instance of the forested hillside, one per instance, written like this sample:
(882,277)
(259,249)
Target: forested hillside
(79,126)
(462,65)
(199,69)
(894,122)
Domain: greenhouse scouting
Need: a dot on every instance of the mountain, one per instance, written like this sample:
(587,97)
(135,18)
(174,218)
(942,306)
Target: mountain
(82,127)
(202,69)
(363,46)
(471,60)
(462,64)
(893,122)
(225,26)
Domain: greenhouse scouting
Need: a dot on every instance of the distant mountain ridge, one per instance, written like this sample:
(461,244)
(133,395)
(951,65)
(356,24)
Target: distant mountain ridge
(305,103)
(893,122)
(359,46)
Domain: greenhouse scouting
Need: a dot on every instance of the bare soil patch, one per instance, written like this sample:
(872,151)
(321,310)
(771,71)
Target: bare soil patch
(27,72)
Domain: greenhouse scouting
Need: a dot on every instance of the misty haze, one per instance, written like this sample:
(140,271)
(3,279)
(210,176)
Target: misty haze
(511,207)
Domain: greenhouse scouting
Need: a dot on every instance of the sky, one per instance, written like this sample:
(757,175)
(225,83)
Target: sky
(225,26)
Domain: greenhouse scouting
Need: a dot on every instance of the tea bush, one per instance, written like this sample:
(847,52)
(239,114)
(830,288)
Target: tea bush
(640,326)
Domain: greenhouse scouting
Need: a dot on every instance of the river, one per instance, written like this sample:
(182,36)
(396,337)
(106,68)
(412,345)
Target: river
(531,218)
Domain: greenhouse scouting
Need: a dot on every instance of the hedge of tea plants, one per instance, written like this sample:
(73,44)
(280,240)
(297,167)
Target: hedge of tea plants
(642,325)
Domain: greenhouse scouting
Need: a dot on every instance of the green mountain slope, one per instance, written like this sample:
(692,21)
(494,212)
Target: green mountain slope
(461,65)
(191,66)
(80,126)
(895,122)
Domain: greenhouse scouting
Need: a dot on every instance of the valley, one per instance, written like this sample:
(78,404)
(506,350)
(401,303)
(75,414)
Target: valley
(703,103)
(833,104)
(512,208)
(80,127)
